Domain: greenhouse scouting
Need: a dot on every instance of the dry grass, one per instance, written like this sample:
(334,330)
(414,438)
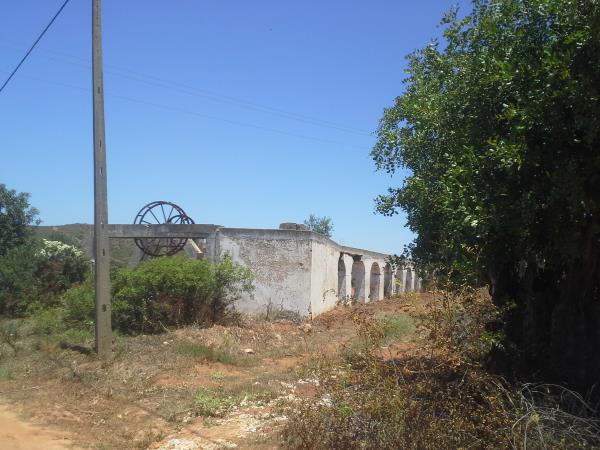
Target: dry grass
(189,379)
(400,373)
(437,397)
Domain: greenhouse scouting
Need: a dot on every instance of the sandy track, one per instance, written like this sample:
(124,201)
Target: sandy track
(17,434)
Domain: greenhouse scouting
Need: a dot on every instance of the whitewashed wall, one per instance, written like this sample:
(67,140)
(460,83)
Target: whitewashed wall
(281,263)
(298,270)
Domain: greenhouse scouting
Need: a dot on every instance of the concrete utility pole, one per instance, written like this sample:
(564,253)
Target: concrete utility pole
(101,255)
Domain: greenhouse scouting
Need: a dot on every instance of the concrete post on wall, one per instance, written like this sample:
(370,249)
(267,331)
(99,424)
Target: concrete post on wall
(388,281)
(367,294)
(409,278)
(381,280)
(396,279)
(212,247)
(348,261)
(401,288)
(414,281)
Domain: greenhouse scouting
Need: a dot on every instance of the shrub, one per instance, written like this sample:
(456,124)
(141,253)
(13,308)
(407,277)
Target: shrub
(48,321)
(176,291)
(79,304)
(156,294)
(38,272)
(212,404)
(230,280)
(59,266)
(10,333)
(440,398)
(395,326)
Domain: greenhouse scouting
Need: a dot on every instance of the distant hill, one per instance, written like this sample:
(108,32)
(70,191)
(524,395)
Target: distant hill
(82,235)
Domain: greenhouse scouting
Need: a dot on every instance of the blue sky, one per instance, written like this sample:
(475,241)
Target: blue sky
(247,114)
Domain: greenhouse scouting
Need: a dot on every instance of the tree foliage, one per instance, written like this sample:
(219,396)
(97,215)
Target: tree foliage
(499,130)
(322,225)
(16,218)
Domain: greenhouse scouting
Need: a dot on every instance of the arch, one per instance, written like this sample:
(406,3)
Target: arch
(358,281)
(374,282)
(409,281)
(341,278)
(387,281)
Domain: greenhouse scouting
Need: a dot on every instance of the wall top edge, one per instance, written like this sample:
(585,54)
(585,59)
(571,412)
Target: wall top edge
(276,234)
(273,234)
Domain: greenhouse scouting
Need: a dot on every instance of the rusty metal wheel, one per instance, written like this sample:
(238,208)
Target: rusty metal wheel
(157,213)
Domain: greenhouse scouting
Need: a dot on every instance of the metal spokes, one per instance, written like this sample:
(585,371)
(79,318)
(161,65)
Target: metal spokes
(157,213)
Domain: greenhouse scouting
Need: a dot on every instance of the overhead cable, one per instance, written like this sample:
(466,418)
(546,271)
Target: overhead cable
(34,44)
(203,93)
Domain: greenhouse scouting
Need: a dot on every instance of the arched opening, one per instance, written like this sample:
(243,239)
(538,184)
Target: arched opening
(398,286)
(409,281)
(387,281)
(374,282)
(358,281)
(341,278)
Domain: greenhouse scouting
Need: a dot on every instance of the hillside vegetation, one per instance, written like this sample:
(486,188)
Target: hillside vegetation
(82,235)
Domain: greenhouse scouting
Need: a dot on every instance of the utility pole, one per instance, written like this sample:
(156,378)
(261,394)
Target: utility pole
(101,255)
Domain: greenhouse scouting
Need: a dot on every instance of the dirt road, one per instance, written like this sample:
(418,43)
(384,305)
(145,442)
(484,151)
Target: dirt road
(201,388)
(16,434)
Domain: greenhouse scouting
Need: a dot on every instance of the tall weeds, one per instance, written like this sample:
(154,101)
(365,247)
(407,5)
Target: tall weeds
(438,397)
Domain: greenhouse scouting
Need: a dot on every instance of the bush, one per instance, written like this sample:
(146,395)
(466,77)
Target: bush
(79,304)
(156,294)
(395,326)
(59,266)
(230,280)
(212,404)
(48,321)
(38,272)
(176,291)
(440,398)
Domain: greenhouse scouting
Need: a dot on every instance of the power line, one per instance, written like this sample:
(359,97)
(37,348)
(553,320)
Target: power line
(34,44)
(199,114)
(182,88)
(203,93)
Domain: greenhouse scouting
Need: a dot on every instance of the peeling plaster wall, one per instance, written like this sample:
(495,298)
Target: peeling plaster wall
(297,270)
(324,281)
(280,261)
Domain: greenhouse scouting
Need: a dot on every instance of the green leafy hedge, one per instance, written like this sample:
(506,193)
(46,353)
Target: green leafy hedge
(164,292)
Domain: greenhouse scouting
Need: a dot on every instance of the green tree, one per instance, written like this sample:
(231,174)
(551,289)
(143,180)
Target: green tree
(499,131)
(16,218)
(18,283)
(322,225)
